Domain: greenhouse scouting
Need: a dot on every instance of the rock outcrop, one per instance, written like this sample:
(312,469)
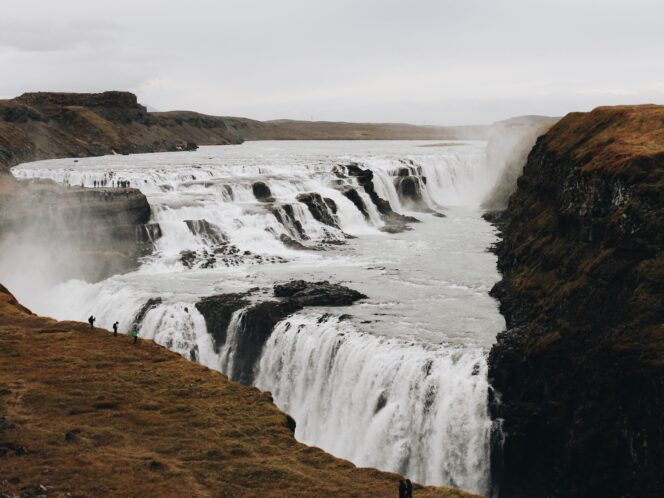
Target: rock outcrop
(394,222)
(218,311)
(317,293)
(262,192)
(321,208)
(257,320)
(579,374)
(49,125)
(255,328)
(88,233)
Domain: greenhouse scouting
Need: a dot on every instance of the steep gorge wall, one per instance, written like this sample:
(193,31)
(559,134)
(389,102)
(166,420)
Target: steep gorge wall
(579,374)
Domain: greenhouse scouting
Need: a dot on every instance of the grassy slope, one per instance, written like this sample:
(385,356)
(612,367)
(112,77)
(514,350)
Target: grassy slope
(151,423)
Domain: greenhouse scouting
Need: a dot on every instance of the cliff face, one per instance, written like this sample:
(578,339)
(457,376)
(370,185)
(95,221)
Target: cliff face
(579,374)
(83,413)
(45,125)
(87,234)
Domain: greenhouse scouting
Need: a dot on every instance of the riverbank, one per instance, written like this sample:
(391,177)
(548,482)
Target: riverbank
(579,374)
(89,414)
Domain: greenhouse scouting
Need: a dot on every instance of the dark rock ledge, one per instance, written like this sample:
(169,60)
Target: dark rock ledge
(259,319)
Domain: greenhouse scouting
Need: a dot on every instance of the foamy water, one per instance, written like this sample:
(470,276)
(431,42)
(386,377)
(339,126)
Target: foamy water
(401,383)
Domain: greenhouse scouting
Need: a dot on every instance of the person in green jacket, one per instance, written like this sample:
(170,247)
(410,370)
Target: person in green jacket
(134,334)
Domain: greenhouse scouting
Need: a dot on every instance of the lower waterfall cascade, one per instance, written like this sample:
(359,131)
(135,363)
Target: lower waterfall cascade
(397,381)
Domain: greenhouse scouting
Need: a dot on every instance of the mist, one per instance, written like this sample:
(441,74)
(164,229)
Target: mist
(52,233)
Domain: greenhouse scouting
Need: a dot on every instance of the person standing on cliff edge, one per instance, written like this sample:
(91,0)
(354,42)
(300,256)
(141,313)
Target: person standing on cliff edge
(91,321)
(115,328)
(134,334)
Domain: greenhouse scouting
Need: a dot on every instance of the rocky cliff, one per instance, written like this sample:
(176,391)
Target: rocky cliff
(579,374)
(87,234)
(48,125)
(84,413)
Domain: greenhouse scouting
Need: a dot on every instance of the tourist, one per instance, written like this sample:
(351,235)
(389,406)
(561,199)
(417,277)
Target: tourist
(409,489)
(115,329)
(402,489)
(134,334)
(91,321)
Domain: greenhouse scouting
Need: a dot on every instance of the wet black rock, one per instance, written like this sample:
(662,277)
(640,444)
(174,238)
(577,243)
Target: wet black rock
(353,196)
(262,192)
(319,208)
(218,311)
(331,204)
(256,327)
(395,222)
(292,243)
(317,293)
(408,188)
(149,305)
(188,258)
(381,403)
(257,321)
(207,231)
(286,216)
(410,192)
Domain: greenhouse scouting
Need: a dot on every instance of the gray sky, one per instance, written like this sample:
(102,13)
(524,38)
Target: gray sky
(419,61)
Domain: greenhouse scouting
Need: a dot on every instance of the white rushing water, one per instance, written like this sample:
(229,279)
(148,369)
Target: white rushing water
(397,381)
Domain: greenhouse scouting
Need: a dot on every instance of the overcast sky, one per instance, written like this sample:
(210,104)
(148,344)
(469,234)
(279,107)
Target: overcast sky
(419,61)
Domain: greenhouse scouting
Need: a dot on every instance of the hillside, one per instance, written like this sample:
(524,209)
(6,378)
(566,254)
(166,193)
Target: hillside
(49,125)
(89,414)
(326,130)
(579,374)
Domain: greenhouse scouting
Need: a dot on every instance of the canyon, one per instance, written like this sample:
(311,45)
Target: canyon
(566,401)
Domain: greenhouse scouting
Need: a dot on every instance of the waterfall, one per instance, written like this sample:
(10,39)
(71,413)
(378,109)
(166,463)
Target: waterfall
(226,356)
(379,389)
(380,402)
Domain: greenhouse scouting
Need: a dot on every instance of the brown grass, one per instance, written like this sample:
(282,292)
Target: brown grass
(620,140)
(100,416)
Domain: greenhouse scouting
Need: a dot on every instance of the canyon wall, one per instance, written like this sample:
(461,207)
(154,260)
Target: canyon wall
(578,377)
